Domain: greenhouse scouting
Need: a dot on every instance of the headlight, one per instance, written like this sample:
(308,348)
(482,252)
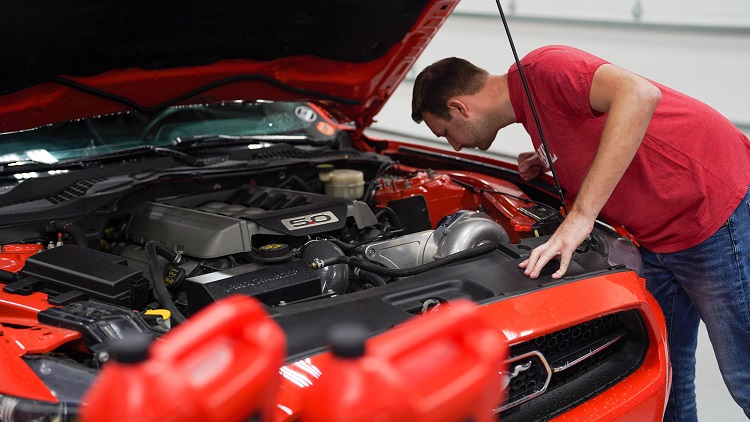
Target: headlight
(617,249)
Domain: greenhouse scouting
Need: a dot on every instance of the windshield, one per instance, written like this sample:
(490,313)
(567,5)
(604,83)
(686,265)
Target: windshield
(105,134)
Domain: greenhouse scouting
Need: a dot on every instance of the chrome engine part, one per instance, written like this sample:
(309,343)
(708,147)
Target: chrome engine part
(459,232)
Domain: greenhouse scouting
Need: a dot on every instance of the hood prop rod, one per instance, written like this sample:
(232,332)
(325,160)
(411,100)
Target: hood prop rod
(533,110)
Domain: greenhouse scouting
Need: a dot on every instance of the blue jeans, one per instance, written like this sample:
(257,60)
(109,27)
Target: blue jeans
(710,281)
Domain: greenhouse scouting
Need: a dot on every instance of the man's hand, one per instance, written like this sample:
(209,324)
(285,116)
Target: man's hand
(571,233)
(529,165)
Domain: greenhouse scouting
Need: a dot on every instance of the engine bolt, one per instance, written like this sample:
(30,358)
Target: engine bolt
(103,357)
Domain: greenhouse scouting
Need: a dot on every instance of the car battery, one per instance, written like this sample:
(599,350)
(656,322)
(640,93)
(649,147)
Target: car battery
(220,366)
(445,365)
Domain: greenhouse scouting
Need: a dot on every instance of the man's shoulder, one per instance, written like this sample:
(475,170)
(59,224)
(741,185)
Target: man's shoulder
(555,60)
(558,53)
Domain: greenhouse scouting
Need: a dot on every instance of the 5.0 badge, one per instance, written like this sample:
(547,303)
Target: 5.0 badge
(305,221)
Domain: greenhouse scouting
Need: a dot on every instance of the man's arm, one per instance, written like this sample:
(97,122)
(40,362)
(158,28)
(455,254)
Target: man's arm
(629,102)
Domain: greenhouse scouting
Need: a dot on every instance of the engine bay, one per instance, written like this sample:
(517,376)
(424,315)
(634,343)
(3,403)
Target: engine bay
(262,240)
(318,236)
(297,232)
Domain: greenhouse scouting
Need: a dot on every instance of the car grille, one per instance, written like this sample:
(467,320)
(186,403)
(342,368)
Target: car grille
(554,373)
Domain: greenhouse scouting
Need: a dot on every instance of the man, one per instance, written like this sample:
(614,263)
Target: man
(668,168)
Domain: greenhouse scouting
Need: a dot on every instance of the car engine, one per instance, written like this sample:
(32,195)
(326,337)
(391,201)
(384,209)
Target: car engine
(281,245)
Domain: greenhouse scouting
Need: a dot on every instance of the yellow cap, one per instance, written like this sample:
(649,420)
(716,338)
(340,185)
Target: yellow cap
(164,313)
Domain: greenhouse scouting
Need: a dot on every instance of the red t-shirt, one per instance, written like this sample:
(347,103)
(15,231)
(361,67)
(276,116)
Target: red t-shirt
(688,176)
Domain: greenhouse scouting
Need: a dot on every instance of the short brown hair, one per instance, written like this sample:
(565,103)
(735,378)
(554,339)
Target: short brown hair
(442,80)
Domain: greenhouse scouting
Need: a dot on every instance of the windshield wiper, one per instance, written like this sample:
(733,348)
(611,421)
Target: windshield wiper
(146,150)
(32,166)
(191,141)
(26,166)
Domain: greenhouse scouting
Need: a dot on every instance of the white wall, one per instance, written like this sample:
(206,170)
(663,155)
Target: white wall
(703,50)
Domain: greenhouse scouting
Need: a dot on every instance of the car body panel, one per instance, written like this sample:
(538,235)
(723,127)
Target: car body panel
(545,311)
(355,86)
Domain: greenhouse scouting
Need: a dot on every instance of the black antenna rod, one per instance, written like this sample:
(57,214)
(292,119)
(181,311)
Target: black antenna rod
(533,109)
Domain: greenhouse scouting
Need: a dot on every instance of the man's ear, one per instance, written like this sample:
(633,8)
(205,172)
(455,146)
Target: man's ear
(457,105)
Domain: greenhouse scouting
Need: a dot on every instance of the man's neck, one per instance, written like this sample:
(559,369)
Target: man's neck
(498,94)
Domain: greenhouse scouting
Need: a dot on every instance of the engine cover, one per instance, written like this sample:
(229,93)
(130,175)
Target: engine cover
(223,224)
(271,284)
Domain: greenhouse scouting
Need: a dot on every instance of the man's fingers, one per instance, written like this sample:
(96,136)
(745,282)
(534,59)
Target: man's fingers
(530,174)
(541,256)
(522,157)
(538,259)
(547,256)
(564,263)
(562,244)
(529,166)
(529,263)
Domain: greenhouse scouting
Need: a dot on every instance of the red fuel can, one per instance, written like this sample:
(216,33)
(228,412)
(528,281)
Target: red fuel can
(221,365)
(445,366)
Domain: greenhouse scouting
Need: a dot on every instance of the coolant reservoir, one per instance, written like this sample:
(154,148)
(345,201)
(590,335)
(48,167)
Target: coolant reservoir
(344,183)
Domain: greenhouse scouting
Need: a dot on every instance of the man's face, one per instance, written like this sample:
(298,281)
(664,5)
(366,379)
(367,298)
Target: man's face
(462,131)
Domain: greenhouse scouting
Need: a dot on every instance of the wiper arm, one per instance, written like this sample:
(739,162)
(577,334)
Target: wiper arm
(80,163)
(191,141)
(146,150)
(32,166)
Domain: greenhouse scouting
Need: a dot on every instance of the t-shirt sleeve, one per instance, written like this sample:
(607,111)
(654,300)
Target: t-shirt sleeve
(560,78)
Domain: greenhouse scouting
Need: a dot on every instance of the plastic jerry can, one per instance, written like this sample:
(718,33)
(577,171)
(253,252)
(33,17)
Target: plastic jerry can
(446,365)
(221,365)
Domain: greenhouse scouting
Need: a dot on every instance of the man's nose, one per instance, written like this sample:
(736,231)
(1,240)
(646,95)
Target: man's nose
(456,146)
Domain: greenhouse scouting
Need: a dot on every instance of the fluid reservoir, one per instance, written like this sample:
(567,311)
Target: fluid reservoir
(344,183)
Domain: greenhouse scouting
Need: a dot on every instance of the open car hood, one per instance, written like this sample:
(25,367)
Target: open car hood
(79,59)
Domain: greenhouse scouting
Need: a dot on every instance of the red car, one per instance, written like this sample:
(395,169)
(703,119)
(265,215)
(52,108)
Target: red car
(188,200)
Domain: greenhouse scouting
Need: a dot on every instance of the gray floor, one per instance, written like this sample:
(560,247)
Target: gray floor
(714,402)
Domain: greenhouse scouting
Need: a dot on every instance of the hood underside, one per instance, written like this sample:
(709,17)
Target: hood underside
(74,59)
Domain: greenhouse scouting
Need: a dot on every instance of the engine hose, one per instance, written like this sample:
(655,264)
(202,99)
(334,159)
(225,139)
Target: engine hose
(371,278)
(72,230)
(405,272)
(155,249)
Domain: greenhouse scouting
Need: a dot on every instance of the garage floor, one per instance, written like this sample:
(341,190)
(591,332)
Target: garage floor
(714,401)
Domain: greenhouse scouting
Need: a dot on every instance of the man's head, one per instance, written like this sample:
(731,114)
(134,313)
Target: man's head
(442,80)
(458,101)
